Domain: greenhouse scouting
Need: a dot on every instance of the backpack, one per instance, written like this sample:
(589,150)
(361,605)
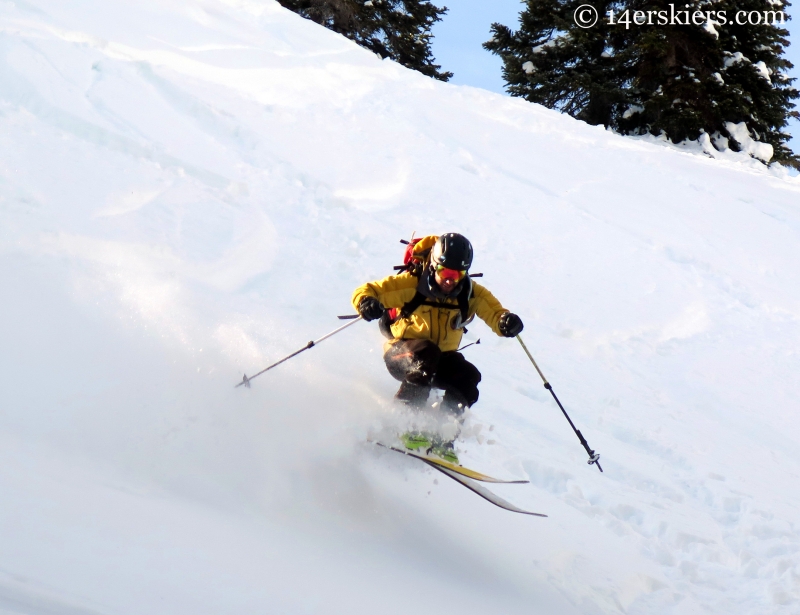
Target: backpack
(416,254)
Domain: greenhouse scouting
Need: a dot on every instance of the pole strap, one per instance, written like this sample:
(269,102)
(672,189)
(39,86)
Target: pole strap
(246,380)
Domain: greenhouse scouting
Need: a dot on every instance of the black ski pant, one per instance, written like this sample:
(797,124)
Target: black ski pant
(420,365)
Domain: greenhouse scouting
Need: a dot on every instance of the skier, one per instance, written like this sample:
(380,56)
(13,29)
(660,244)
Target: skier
(423,312)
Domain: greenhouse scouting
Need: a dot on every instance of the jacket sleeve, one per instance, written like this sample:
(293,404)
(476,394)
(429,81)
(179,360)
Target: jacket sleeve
(392,291)
(487,307)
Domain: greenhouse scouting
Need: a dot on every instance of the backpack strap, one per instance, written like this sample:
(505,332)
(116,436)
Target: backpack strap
(463,299)
(419,299)
(411,306)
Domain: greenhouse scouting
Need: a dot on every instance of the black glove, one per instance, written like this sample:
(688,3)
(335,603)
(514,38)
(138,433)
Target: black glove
(370,308)
(510,325)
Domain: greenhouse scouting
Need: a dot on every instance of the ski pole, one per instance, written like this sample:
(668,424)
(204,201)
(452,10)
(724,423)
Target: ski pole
(246,381)
(594,458)
(468,345)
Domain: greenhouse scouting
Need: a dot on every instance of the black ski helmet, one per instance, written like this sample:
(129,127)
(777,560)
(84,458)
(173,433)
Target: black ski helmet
(452,251)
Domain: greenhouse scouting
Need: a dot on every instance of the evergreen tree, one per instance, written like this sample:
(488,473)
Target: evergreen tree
(674,80)
(756,89)
(551,61)
(396,29)
(682,78)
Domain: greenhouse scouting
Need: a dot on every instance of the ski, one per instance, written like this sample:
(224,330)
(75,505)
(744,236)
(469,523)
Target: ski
(441,463)
(468,478)
(482,491)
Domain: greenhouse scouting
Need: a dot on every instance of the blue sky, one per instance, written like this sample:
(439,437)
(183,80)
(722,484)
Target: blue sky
(458,38)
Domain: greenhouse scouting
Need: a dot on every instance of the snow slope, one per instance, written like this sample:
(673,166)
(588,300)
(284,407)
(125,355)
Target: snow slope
(191,190)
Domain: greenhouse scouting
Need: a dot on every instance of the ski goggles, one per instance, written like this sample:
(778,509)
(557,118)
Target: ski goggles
(450,274)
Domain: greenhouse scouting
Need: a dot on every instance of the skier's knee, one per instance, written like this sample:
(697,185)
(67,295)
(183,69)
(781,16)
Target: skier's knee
(413,361)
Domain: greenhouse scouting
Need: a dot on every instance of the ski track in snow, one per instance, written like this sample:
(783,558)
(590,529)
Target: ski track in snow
(189,191)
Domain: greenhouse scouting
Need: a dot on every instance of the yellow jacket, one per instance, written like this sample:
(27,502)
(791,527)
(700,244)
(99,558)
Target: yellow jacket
(429,322)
